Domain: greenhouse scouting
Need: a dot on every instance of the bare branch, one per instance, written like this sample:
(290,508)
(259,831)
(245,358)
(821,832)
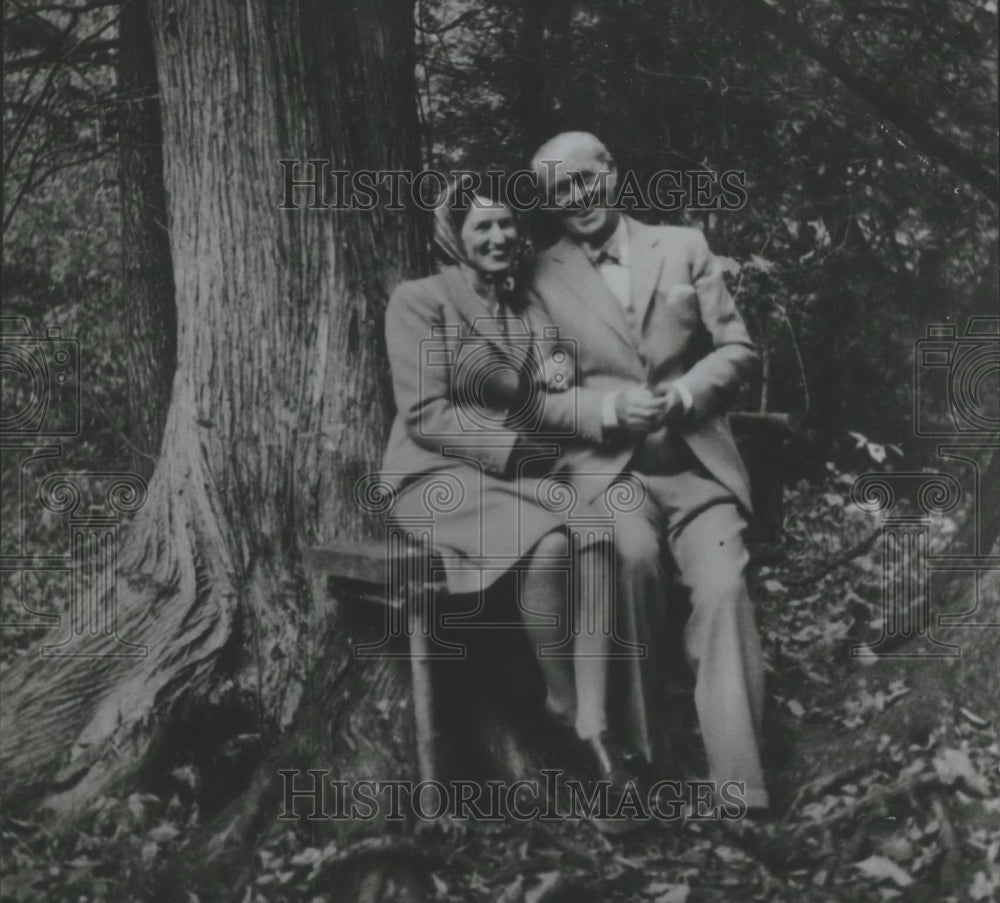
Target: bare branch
(458,21)
(54,57)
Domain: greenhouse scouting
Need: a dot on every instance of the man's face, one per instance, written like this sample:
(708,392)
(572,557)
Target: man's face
(580,186)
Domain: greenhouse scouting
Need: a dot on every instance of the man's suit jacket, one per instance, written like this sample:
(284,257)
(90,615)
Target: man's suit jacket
(686,326)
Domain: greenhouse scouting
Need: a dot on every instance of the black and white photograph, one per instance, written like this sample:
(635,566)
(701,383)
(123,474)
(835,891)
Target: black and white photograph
(457,452)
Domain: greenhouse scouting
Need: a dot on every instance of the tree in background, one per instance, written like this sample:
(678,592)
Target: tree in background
(147,289)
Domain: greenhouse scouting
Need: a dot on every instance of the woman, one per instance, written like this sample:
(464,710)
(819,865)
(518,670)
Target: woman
(474,447)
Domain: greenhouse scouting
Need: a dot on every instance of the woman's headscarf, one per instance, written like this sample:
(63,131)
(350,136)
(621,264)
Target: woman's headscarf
(449,218)
(446,236)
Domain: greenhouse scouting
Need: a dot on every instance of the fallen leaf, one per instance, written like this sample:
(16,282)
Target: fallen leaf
(876,452)
(897,848)
(308,856)
(729,854)
(973,717)
(883,869)
(546,882)
(512,892)
(677,894)
(796,708)
(955,768)
(983,887)
(136,806)
(163,832)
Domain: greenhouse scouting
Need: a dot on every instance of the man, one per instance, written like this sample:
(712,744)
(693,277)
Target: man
(661,351)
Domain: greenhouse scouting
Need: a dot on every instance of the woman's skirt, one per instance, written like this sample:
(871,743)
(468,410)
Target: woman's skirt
(480,528)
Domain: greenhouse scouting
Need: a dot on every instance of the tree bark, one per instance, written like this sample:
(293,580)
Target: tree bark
(543,32)
(280,397)
(147,281)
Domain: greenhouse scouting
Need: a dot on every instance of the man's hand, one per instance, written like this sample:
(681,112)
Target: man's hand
(639,410)
(672,405)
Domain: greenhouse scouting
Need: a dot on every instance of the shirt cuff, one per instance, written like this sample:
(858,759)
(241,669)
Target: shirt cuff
(609,416)
(685,393)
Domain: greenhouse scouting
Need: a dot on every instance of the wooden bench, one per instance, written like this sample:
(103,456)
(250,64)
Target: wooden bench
(399,578)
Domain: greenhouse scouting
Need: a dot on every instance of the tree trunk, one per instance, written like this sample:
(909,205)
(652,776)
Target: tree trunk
(147,282)
(280,400)
(543,35)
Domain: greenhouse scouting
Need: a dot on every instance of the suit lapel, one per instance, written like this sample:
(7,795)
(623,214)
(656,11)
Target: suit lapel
(586,285)
(645,266)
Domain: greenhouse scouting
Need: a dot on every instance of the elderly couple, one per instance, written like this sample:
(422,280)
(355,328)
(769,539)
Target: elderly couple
(660,350)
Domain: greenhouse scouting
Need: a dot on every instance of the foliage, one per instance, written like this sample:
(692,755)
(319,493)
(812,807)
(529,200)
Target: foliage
(61,261)
(58,93)
(853,239)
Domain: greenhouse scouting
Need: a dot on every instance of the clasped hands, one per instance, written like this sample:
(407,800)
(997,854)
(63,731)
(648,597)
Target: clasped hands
(645,409)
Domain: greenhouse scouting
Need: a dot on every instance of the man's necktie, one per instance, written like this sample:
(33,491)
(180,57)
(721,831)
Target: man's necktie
(607,253)
(607,261)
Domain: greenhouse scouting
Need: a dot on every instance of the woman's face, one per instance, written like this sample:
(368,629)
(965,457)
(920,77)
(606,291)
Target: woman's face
(489,237)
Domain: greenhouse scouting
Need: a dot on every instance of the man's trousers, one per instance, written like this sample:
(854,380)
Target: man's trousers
(698,522)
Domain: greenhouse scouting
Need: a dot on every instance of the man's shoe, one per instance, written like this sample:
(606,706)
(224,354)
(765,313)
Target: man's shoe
(618,775)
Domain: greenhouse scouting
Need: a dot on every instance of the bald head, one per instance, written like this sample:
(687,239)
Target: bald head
(566,147)
(577,178)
